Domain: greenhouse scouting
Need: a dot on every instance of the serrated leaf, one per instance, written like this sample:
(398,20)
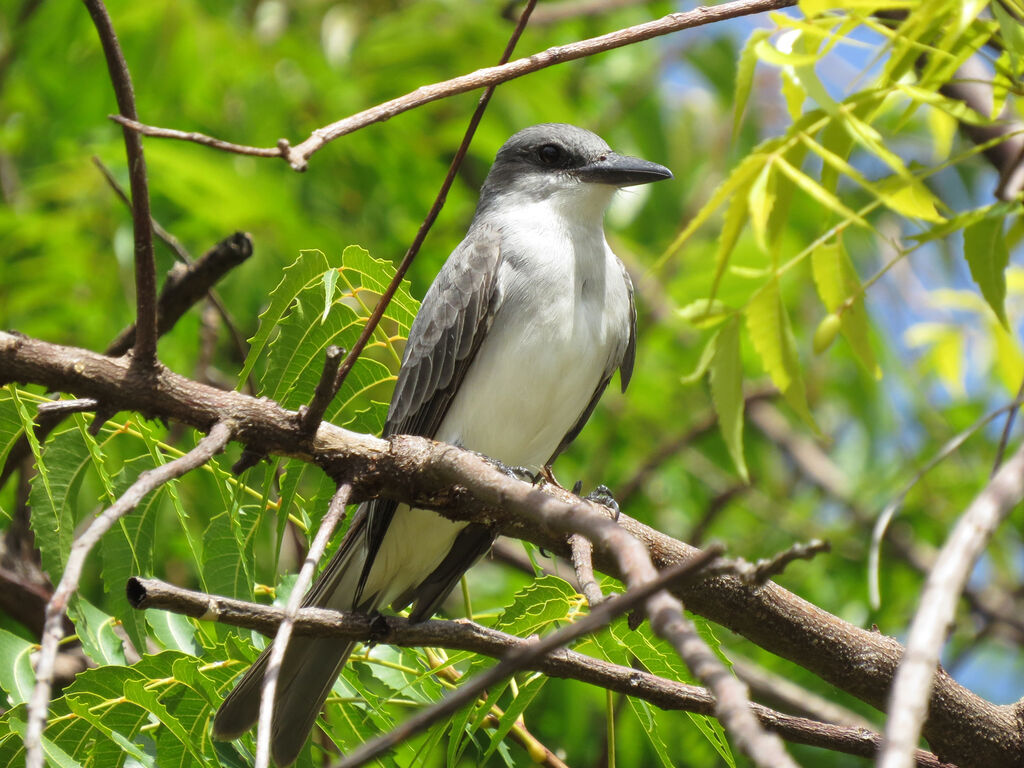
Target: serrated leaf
(536,606)
(296,355)
(309,266)
(330,281)
(841,293)
(732,226)
(16,676)
(174,631)
(761,200)
(127,550)
(526,694)
(745,77)
(727,392)
(909,198)
(54,498)
(793,94)
(987,256)
(772,337)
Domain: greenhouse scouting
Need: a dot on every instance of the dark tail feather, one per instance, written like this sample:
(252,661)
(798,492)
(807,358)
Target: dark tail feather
(309,668)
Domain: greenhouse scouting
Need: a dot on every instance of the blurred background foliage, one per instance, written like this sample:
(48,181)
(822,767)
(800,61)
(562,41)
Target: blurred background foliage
(869,158)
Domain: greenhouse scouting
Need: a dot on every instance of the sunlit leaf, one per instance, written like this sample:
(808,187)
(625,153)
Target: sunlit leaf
(772,337)
(987,255)
(841,293)
(745,77)
(727,392)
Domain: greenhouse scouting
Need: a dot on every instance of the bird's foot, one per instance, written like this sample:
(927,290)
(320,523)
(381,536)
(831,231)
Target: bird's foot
(519,473)
(549,476)
(602,495)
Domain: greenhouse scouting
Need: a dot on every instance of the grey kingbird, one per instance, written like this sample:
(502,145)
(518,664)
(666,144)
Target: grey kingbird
(513,346)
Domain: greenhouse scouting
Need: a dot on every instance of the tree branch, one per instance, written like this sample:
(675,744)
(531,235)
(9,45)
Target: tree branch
(53,629)
(913,681)
(298,156)
(145,266)
(465,635)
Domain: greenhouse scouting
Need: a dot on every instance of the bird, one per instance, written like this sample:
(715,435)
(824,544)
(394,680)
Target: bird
(514,344)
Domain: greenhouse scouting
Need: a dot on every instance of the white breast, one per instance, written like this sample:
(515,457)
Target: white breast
(563,321)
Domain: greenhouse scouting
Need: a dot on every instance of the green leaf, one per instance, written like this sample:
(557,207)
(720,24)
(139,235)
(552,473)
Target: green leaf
(735,220)
(704,313)
(527,692)
(308,267)
(127,550)
(330,281)
(772,336)
(547,600)
(745,77)
(727,392)
(54,498)
(909,197)
(987,256)
(819,193)
(761,200)
(16,676)
(841,293)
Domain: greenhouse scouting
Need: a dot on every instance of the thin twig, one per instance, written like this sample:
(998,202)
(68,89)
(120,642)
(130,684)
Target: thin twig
(583,564)
(149,480)
(464,635)
(522,656)
(179,249)
(768,568)
(335,514)
(145,266)
(310,416)
(912,683)
(950,447)
(435,209)
(298,156)
(67,407)
(1004,438)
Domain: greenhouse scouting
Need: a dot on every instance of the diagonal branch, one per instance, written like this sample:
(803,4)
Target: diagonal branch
(913,681)
(145,266)
(464,635)
(53,629)
(298,156)
(335,514)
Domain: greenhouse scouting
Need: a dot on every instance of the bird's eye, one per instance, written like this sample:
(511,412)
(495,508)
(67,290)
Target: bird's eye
(551,154)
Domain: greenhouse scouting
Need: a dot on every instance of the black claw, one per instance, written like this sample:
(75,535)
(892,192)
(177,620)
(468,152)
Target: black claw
(518,473)
(379,629)
(577,487)
(602,495)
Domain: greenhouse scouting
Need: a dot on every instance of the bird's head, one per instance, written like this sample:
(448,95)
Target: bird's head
(565,163)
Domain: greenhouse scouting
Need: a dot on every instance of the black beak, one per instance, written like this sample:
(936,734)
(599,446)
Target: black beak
(622,171)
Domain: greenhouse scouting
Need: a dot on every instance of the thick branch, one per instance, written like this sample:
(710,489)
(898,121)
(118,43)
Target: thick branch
(967,729)
(145,266)
(298,156)
(465,635)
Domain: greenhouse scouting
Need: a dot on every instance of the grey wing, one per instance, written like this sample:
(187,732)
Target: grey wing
(453,320)
(624,363)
